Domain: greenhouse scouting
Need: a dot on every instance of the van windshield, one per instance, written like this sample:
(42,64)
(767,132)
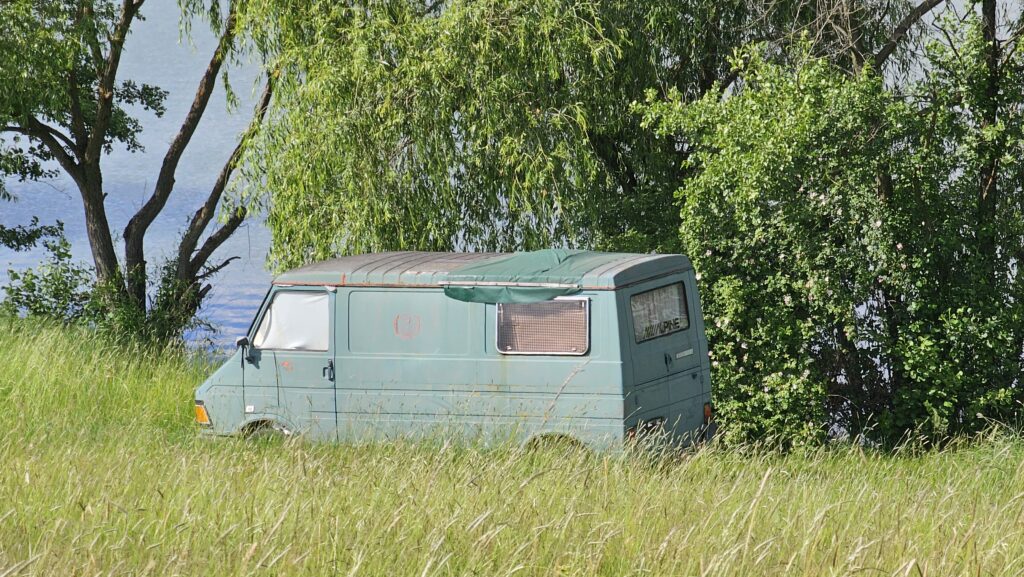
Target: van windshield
(659,312)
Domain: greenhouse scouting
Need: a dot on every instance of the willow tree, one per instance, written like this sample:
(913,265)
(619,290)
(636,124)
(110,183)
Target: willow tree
(502,124)
(64,105)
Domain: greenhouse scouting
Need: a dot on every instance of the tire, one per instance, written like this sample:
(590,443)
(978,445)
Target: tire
(563,444)
(267,432)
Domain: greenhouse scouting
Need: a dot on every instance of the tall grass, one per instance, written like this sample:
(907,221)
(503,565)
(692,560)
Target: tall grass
(101,472)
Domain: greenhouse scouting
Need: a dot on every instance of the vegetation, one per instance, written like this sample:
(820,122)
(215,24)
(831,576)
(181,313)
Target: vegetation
(505,124)
(846,180)
(64,106)
(856,226)
(858,245)
(857,231)
(105,473)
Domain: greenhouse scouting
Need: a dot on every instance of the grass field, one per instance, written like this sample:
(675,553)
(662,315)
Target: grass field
(101,472)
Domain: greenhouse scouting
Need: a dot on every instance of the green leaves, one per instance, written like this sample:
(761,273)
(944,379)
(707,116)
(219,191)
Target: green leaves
(58,289)
(838,228)
(465,128)
(481,124)
(834,213)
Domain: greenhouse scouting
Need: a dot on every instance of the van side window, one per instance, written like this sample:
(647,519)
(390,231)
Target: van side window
(659,312)
(295,321)
(555,327)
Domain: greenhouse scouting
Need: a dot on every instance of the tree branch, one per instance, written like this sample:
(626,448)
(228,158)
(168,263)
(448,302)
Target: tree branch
(204,215)
(88,10)
(49,137)
(1013,41)
(216,269)
(105,90)
(135,232)
(216,239)
(46,128)
(902,29)
(205,290)
(77,118)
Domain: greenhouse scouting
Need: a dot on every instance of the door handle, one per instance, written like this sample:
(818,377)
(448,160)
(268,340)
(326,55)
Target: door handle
(329,371)
(668,360)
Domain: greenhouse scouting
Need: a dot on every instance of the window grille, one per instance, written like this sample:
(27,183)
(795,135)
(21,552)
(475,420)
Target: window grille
(555,327)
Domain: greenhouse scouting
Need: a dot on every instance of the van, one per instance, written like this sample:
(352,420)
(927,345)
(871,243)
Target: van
(590,346)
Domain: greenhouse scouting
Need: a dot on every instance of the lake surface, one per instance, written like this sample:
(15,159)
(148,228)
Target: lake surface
(156,54)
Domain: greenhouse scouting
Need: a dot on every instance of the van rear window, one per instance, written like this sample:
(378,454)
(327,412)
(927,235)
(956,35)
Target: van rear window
(659,312)
(555,327)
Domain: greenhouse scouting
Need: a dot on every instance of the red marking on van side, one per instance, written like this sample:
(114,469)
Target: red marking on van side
(407,326)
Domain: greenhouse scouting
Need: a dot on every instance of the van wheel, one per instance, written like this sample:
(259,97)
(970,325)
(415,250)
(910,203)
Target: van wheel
(267,431)
(556,443)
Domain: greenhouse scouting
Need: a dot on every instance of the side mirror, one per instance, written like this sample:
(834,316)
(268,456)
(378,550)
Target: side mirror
(247,356)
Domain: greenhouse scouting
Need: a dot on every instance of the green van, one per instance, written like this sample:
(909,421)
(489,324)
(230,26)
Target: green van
(595,347)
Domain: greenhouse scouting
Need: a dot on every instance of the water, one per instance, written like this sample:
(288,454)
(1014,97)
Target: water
(155,54)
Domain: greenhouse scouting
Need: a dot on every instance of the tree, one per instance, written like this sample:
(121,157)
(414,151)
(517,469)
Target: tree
(64,103)
(492,124)
(859,243)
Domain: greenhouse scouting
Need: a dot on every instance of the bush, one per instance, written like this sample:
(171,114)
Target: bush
(57,289)
(63,290)
(854,279)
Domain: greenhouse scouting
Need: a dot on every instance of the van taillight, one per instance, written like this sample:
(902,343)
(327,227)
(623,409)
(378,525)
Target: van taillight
(708,413)
(202,417)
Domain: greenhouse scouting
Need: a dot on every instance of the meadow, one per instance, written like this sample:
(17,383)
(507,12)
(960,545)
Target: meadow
(102,472)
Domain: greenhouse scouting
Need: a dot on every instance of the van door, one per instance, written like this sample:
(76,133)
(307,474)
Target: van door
(297,328)
(665,352)
(259,377)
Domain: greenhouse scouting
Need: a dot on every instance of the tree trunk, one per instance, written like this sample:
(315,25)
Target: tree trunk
(135,232)
(183,291)
(988,178)
(98,229)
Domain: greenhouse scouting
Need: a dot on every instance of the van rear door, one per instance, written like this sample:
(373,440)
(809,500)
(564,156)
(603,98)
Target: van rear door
(661,332)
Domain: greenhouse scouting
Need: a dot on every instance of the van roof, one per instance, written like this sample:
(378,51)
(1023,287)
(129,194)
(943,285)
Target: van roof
(594,270)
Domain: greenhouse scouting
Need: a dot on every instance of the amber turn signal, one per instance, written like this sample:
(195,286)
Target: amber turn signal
(202,417)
